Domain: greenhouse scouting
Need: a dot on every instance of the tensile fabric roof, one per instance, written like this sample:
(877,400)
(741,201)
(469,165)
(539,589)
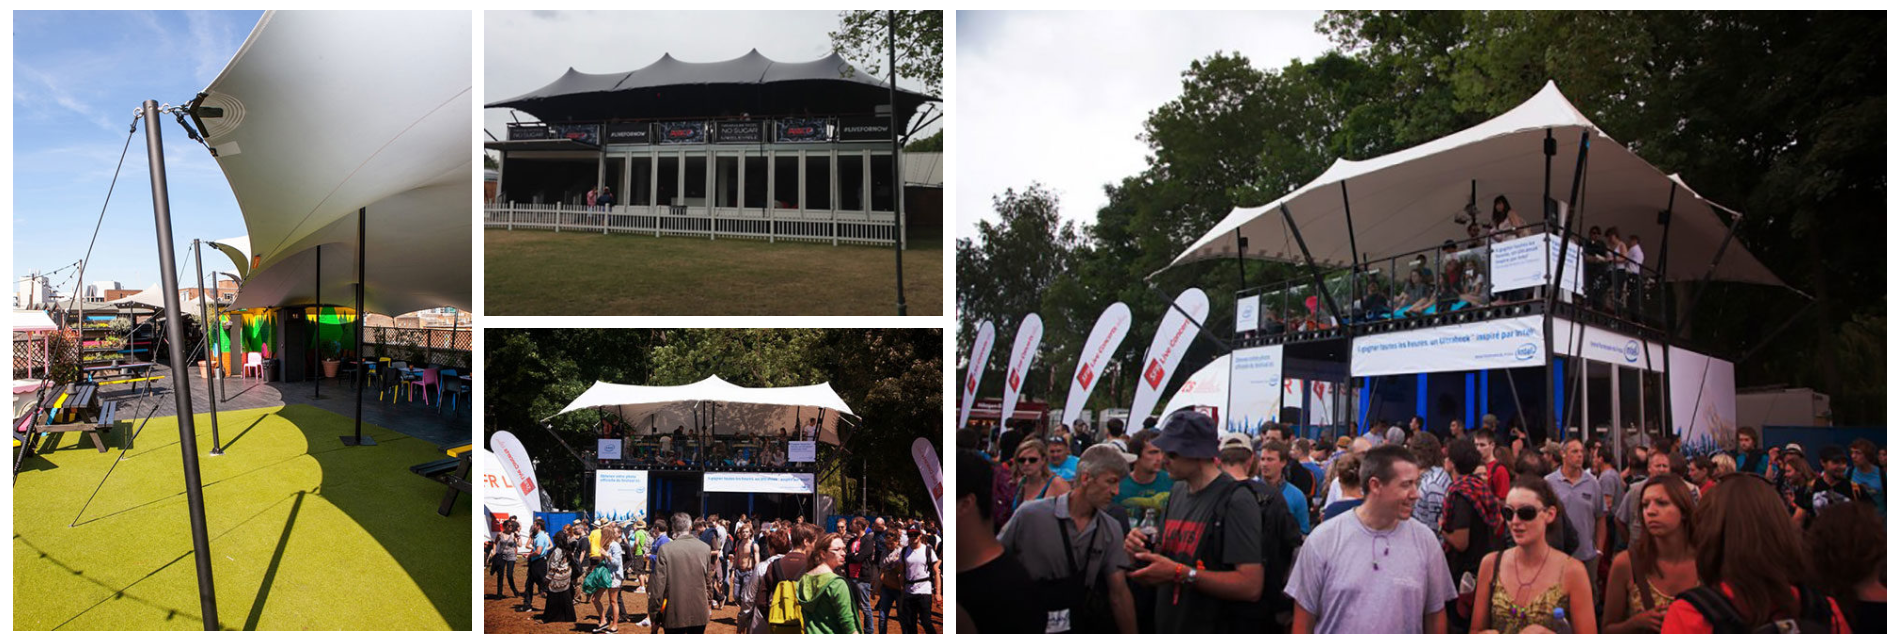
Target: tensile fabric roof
(749,84)
(759,411)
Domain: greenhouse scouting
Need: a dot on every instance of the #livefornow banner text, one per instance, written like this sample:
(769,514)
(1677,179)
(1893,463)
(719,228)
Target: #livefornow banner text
(1101,344)
(516,465)
(930,463)
(620,495)
(1176,334)
(1020,358)
(978,361)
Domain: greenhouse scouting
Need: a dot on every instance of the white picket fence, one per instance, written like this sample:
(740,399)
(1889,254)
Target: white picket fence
(834,227)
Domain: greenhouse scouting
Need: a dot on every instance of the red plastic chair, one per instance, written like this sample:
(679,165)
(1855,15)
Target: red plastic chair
(430,376)
(256,360)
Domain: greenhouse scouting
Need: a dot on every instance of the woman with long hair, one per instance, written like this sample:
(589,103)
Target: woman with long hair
(1033,480)
(606,579)
(560,579)
(1644,579)
(778,543)
(1757,564)
(822,594)
(501,556)
(1519,590)
(1847,543)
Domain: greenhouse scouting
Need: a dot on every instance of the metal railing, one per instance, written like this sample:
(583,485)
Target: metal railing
(837,227)
(444,347)
(1454,277)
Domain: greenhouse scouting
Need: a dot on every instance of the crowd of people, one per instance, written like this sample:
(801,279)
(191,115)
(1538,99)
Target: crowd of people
(682,446)
(1457,278)
(1178,528)
(784,576)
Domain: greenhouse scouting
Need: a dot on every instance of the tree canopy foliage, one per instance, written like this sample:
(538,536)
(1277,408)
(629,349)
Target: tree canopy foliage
(891,377)
(863,37)
(1780,115)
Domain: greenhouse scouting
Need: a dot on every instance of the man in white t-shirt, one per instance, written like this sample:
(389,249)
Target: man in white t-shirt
(922,576)
(1633,268)
(1374,569)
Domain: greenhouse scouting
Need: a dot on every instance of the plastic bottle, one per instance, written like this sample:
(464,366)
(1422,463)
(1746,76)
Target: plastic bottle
(1562,626)
(1149,526)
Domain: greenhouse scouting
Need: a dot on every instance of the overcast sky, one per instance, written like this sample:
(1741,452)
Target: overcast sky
(1059,97)
(78,76)
(525,50)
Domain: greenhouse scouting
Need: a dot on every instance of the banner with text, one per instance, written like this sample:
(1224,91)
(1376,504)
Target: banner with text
(1603,346)
(1100,347)
(589,134)
(1256,375)
(803,452)
(863,129)
(527,131)
(517,467)
(741,131)
(930,464)
(498,494)
(1206,390)
(803,130)
(1248,316)
(629,133)
(1703,401)
(760,482)
(1524,262)
(1020,358)
(1175,334)
(978,361)
(619,495)
(685,132)
(1496,344)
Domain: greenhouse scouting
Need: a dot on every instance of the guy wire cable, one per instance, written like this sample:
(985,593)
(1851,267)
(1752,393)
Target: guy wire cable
(101,222)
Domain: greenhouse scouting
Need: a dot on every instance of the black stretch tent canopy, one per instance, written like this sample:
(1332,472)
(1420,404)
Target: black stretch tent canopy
(750,84)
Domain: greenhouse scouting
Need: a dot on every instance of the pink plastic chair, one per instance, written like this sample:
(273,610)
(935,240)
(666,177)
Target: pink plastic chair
(253,359)
(430,376)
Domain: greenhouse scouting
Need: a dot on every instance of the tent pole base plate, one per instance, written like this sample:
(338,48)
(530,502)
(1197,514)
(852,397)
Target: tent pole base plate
(355,441)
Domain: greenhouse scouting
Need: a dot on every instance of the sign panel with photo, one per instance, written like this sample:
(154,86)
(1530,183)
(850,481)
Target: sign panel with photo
(685,132)
(803,130)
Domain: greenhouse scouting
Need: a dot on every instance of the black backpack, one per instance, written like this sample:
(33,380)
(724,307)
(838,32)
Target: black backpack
(1279,535)
(1815,615)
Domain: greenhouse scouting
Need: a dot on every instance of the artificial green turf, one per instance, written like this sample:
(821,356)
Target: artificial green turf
(305,533)
(540,273)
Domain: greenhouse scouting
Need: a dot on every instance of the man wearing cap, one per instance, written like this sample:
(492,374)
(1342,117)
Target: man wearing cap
(1207,564)
(1071,547)
(1834,485)
(1059,462)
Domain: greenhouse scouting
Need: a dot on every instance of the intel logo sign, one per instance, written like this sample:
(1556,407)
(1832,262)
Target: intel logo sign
(1632,352)
(1526,352)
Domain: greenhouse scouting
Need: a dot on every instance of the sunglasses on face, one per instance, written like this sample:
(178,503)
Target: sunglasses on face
(1524,513)
(1027,460)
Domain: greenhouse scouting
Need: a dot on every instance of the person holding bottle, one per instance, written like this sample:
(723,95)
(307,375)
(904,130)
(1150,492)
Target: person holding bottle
(1533,587)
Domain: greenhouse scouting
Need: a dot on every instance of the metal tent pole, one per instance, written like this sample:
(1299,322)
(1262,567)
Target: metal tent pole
(362,227)
(896,174)
(316,329)
(174,329)
(197,255)
(1554,414)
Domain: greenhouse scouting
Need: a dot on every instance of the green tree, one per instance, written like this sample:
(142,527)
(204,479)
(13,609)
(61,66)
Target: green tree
(864,37)
(1003,271)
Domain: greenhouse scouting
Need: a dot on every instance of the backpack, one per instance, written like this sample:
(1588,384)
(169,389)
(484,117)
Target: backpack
(1279,539)
(559,573)
(787,617)
(1815,615)
(892,576)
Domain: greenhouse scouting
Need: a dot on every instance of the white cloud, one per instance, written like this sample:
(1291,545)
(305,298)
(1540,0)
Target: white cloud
(1058,98)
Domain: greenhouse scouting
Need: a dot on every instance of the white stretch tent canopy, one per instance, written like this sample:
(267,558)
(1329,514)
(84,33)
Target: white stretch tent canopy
(737,410)
(154,297)
(238,249)
(329,112)
(1405,201)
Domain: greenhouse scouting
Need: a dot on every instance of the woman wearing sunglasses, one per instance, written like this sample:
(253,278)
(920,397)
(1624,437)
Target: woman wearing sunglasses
(1518,590)
(1033,480)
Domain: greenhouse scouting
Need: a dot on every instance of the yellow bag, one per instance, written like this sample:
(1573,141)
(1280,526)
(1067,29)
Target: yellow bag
(787,617)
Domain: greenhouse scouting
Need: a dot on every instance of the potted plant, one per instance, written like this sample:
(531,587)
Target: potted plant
(331,353)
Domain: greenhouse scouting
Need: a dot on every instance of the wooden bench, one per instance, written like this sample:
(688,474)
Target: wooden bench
(452,472)
(102,422)
(74,407)
(129,373)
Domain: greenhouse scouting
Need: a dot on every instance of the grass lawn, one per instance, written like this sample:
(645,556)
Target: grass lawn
(541,273)
(305,535)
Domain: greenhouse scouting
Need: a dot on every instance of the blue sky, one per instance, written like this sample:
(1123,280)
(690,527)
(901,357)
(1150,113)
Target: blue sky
(78,78)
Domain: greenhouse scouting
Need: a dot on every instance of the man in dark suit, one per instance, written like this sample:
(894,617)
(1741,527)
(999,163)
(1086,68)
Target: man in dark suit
(679,575)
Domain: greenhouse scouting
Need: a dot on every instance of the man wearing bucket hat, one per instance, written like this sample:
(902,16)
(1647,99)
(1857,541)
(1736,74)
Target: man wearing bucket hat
(1206,563)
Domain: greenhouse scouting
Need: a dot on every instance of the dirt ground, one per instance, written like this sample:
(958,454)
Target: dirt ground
(500,618)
